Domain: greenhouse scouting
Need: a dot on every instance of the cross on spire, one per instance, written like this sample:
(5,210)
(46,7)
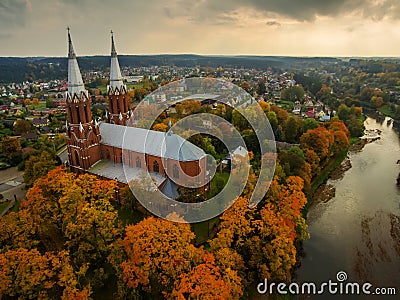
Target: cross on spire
(113,51)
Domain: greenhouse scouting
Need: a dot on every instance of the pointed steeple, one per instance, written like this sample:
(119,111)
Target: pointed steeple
(116,79)
(75,82)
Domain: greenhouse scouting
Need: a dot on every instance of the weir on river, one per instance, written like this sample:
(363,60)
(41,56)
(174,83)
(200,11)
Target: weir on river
(358,230)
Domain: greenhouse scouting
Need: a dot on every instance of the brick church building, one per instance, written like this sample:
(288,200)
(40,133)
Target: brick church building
(113,149)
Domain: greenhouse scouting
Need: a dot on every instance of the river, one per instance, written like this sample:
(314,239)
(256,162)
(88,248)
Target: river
(358,230)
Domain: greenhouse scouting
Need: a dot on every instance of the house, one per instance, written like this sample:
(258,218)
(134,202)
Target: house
(30,136)
(40,122)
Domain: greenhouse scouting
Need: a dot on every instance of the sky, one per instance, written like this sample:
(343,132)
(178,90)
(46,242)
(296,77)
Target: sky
(208,27)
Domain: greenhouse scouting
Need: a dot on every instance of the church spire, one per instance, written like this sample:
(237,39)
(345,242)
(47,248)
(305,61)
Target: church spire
(116,80)
(75,82)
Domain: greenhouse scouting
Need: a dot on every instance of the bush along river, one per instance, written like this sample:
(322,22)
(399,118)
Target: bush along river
(357,229)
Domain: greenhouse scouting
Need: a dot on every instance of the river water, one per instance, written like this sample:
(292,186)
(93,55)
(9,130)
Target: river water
(358,230)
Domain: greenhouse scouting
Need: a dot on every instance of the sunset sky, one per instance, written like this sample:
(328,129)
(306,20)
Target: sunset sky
(231,27)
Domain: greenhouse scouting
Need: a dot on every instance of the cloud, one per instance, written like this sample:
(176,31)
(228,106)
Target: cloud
(13,13)
(273,23)
(4,36)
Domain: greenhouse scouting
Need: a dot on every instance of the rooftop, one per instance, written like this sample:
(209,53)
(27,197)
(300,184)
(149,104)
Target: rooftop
(151,142)
(108,169)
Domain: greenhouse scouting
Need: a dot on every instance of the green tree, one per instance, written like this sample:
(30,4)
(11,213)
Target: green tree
(293,129)
(293,93)
(22,126)
(37,166)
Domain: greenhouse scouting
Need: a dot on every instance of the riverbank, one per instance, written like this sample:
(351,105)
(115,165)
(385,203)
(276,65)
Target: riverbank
(357,230)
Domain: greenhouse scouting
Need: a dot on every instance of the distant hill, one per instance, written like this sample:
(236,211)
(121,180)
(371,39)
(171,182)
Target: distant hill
(47,68)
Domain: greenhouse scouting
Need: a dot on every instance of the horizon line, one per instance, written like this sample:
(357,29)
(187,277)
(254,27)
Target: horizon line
(212,55)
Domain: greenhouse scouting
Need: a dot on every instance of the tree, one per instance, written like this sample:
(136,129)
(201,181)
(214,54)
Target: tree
(293,93)
(341,142)
(187,107)
(335,126)
(206,281)
(75,214)
(309,124)
(140,93)
(264,106)
(29,274)
(261,88)
(37,166)
(293,129)
(21,126)
(158,251)
(160,127)
(246,86)
(9,146)
(320,140)
(49,103)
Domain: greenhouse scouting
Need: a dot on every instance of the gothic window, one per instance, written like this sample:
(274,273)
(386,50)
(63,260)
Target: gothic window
(77,159)
(138,163)
(176,171)
(156,167)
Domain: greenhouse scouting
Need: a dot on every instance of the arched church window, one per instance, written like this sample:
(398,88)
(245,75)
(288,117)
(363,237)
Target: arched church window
(138,162)
(156,167)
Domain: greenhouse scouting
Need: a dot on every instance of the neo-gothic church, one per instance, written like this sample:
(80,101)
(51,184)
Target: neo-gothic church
(115,150)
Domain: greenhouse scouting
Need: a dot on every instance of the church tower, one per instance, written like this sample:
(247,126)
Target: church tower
(83,136)
(118,100)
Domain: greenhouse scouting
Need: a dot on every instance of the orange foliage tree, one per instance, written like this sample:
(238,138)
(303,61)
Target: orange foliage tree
(29,274)
(320,140)
(75,214)
(206,281)
(158,251)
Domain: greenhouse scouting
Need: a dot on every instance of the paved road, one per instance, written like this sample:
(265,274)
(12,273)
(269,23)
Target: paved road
(11,183)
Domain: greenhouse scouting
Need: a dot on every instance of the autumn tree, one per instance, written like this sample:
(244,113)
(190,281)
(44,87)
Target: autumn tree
(21,126)
(335,126)
(75,214)
(29,274)
(9,146)
(319,140)
(160,127)
(246,86)
(37,166)
(140,93)
(187,107)
(158,251)
(208,281)
(340,142)
(264,106)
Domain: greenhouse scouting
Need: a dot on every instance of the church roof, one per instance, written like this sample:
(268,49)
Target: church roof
(116,171)
(116,79)
(75,82)
(150,142)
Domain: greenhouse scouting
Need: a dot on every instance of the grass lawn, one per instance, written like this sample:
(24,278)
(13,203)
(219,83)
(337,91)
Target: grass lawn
(387,111)
(216,187)
(204,230)
(127,216)
(134,85)
(4,205)
(15,207)
(40,105)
